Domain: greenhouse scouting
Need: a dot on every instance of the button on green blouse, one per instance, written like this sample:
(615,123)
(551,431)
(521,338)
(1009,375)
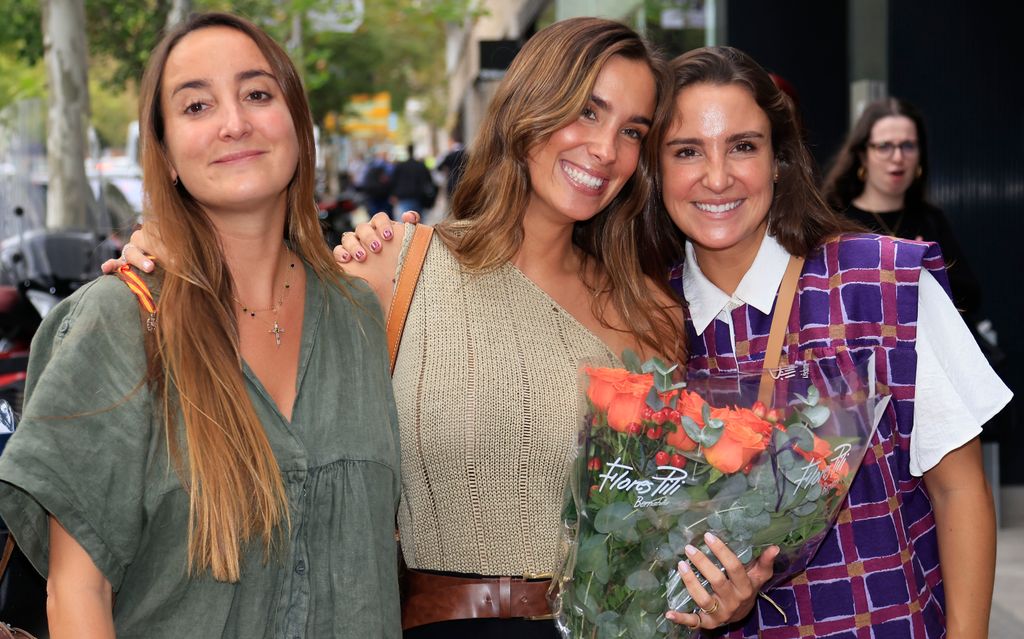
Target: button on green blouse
(91,450)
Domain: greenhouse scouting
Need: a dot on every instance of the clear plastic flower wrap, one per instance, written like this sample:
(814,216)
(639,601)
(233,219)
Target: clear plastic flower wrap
(662,460)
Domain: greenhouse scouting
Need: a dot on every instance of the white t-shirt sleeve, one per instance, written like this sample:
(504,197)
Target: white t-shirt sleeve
(956,390)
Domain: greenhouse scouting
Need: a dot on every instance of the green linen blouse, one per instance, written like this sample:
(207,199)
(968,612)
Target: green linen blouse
(91,451)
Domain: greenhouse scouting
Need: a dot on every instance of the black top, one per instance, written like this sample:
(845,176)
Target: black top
(926,222)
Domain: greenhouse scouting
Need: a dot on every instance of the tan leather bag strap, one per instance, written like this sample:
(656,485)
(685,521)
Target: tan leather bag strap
(8,551)
(783,309)
(406,287)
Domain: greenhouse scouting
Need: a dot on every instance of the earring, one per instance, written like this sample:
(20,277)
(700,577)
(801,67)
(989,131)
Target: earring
(918,172)
(861,173)
(174,182)
(776,177)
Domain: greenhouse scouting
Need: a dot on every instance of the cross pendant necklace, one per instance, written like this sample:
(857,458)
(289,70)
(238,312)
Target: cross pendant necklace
(275,328)
(277,331)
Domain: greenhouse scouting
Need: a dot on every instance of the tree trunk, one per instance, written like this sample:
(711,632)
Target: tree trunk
(179,11)
(68,195)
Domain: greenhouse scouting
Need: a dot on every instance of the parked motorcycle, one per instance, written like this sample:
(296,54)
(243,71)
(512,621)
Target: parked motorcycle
(39,268)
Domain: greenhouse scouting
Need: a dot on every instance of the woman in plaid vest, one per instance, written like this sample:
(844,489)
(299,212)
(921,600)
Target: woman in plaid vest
(736,180)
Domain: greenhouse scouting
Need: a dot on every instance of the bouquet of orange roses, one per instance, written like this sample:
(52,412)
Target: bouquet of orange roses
(663,461)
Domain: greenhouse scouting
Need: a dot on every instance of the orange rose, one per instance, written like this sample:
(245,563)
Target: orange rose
(601,390)
(691,405)
(821,451)
(628,404)
(737,446)
(749,418)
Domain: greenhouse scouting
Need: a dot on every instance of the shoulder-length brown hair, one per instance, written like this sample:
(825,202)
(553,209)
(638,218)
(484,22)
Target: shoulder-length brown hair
(843,184)
(235,488)
(798,218)
(545,89)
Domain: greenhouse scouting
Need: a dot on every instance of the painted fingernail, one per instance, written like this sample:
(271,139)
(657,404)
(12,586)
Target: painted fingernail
(708,537)
(360,255)
(690,550)
(683,567)
(375,245)
(387,234)
(147,265)
(344,257)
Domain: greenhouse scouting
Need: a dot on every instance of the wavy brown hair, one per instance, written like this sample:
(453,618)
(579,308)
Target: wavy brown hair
(545,89)
(842,184)
(220,450)
(798,218)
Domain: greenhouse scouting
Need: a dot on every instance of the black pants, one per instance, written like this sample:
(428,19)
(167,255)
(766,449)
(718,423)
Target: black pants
(485,629)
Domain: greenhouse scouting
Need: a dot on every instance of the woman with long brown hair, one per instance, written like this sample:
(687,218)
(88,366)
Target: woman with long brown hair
(209,465)
(537,270)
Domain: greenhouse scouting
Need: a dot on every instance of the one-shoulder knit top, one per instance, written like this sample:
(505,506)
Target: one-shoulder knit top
(487,389)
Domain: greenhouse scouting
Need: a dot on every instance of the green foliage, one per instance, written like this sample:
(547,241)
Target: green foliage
(19,79)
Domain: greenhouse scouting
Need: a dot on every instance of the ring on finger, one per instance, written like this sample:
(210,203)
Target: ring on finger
(711,610)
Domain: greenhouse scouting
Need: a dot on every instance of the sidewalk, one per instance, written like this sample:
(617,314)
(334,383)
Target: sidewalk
(1007,620)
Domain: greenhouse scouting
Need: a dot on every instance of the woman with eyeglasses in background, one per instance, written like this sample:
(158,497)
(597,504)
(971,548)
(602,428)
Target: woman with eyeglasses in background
(879,178)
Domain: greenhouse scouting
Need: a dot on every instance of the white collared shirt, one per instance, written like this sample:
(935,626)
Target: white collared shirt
(956,390)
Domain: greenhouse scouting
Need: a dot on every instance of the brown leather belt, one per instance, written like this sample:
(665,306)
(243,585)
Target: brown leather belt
(430,597)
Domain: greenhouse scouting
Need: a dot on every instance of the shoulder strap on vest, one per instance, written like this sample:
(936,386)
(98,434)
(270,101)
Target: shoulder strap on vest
(406,287)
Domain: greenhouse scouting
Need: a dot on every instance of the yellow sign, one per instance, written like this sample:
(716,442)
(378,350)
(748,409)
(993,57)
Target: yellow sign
(367,116)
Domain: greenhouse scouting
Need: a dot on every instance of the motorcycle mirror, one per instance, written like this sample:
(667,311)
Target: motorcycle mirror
(7,421)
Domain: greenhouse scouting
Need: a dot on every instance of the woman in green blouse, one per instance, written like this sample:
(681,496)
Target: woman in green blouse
(196,478)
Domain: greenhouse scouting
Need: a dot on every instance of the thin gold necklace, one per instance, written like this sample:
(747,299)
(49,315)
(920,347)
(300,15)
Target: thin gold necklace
(889,230)
(275,329)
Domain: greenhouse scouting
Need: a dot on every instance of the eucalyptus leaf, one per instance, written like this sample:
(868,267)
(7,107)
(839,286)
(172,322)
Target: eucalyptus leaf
(592,557)
(815,416)
(753,504)
(710,436)
(654,399)
(613,517)
(801,436)
(642,580)
(693,431)
(639,622)
(813,396)
(806,508)
(705,413)
(632,361)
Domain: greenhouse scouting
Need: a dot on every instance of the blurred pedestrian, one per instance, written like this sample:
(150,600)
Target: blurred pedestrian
(879,179)
(452,166)
(376,184)
(412,186)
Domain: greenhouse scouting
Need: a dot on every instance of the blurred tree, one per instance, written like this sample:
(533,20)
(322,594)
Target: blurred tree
(399,48)
(68,196)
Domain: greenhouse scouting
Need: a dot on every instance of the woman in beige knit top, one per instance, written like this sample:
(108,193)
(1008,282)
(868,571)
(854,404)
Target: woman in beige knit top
(536,270)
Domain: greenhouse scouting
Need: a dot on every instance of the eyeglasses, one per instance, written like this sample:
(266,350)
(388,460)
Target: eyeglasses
(886,149)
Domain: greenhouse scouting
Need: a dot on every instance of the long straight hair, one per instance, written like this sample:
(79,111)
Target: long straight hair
(221,451)
(798,218)
(843,184)
(545,89)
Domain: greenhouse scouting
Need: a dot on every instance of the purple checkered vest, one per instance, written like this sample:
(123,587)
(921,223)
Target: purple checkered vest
(876,574)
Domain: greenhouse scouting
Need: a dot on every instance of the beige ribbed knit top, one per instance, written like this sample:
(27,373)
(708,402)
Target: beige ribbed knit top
(488,408)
